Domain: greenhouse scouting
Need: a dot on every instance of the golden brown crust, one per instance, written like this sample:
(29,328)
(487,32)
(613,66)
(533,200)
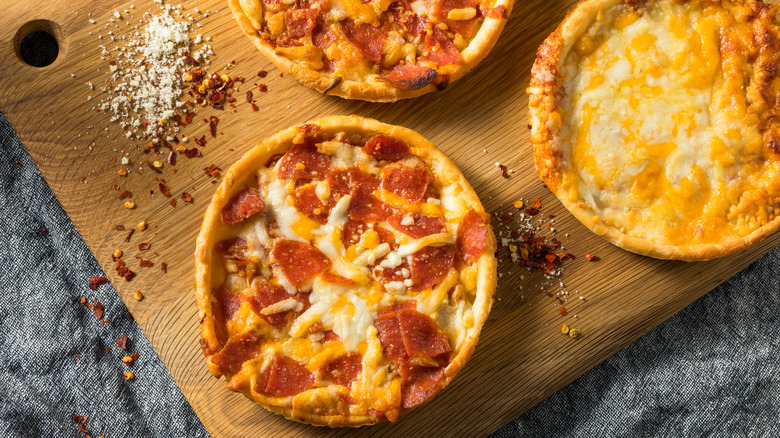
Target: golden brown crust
(546,117)
(376,90)
(236,178)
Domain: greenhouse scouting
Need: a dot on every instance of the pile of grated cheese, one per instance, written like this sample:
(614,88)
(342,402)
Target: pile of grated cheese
(147,67)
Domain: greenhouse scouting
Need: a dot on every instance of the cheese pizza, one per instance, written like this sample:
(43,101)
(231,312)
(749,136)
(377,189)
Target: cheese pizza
(380,50)
(655,122)
(344,271)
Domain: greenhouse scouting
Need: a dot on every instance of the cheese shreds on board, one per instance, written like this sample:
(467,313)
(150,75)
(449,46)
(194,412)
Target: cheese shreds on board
(145,87)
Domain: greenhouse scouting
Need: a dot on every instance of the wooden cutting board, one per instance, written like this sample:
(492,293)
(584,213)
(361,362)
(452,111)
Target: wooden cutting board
(478,121)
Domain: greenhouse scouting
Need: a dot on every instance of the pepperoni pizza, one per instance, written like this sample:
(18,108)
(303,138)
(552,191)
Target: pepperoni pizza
(343,272)
(381,50)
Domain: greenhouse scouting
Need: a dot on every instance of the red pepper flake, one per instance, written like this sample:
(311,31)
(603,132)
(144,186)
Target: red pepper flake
(186,197)
(173,202)
(192,153)
(94,282)
(129,275)
(591,257)
(130,317)
(200,141)
(562,311)
(98,309)
(145,262)
(165,190)
(213,125)
(18,164)
(77,418)
(532,211)
(143,246)
(172,158)
(116,187)
(151,166)
(83,300)
(504,170)
(125,194)
(212,170)
(262,74)
(263,88)
(551,258)
(164,267)
(249,97)
(104,322)
(121,342)
(537,203)
(255,107)
(119,227)
(78,357)
(127,238)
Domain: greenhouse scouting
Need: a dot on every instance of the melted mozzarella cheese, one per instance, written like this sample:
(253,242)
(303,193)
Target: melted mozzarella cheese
(275,197)
(645,142)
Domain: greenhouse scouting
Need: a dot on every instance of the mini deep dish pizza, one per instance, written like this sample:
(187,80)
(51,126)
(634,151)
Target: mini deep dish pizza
(380,50)
(655,123)
(343,272)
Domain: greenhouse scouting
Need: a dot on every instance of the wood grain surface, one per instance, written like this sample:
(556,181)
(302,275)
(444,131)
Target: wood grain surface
(522,356)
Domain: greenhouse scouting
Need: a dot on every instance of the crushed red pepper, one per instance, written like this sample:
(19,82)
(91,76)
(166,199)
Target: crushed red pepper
(504,171)
(213,120)
(129,234)
(121,342)
(164,267)
(145,262)
(591,257)
(126,194)
(165,190)
(212,170)
(143,246)
(186,197)
(95,281)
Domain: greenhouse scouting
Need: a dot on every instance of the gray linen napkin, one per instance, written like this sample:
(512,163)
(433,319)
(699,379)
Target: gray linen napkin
(711,370)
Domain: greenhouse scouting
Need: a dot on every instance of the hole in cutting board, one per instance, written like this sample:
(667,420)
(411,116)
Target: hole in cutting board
(39,43)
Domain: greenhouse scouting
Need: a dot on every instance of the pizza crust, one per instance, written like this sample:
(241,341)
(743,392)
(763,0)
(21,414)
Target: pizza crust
(552,148)
(235,179)
(375,91)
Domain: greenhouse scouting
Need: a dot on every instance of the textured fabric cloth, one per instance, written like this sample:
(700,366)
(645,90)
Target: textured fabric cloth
(44,266)
(711,370)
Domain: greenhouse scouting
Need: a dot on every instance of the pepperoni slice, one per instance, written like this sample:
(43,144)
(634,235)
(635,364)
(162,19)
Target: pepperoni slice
(463,27)
(420,226)
(398,306)
(299,261)
(340,186)
(407,182)
(305,199)
(419,385)
(322,36)
(243,205)
(410,22)
(472,237)
(284,377)
(265,295)
(239,349)
(364,207)
(390,336)
(421,335)
(343,369)
(362,181)
(440,49)
(367,38)
(224,306)
(336,279)
(300,22)
(409,76)
(351,232)
(304,161)
(431,264)
(384,147)
(235,248)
